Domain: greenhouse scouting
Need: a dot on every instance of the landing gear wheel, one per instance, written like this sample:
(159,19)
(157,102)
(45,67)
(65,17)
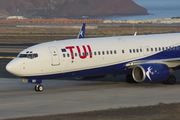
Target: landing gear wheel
(39,88)
(171,80)
(130,79)
(36,88)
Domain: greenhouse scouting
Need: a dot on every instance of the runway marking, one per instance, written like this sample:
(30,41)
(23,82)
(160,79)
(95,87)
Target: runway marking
(63,89)
(7,57)
(88,97)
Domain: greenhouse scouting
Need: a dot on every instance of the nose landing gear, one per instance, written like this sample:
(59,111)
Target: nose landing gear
(39,88)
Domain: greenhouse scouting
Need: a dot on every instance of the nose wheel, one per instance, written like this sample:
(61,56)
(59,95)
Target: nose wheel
(39,88)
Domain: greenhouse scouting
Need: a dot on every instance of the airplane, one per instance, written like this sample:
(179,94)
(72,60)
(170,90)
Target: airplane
(142,58)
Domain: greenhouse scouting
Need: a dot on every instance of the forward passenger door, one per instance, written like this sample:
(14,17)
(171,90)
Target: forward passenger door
(54,56)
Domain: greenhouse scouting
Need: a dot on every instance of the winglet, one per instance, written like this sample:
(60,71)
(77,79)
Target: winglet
(82,32)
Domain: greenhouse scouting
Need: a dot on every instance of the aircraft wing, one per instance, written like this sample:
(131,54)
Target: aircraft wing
(172,62)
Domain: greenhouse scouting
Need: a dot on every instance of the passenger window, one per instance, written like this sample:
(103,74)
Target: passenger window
(99,53)
(140,50)
(83,53)
(152,49)
(94,53)
(72,55)
(166,48)
(87,54)
(147,49)
(76,54)
(137,50)
(64,55)
(91,53)
(111,52)
(115,52)
(79,54)
(107,52)
(163,48)
(134,51)
(68,55)
(155,49)
(130,50)
(103,52)
(159,49)
(123,51)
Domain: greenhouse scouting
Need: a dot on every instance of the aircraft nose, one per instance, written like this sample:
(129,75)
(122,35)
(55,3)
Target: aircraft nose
(13,67)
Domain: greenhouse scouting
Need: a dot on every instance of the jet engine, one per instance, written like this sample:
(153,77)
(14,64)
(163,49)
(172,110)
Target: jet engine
(151,72)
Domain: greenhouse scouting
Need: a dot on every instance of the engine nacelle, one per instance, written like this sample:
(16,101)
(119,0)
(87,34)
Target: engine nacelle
(90,77)
(151,72)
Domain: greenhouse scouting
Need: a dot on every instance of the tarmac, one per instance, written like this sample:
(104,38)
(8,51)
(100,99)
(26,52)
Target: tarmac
(19,99)
(60,96)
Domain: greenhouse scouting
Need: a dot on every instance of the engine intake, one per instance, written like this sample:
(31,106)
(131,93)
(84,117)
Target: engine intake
(150,72)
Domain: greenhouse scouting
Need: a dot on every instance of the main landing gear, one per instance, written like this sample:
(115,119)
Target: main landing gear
(39,88)
(129,79)
(171,80)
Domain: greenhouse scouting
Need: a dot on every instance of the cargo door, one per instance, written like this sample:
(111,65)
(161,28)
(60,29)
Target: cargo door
(54,56)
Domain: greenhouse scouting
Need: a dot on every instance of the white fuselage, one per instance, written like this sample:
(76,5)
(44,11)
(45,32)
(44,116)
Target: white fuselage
(61,57)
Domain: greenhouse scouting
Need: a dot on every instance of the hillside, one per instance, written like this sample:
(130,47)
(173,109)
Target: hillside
(68,8)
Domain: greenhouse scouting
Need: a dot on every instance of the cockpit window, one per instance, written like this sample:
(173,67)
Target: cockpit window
(30,56)
(23,55)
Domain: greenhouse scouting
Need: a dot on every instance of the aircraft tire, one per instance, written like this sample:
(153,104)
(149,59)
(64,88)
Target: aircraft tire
(171,80)
(36,88)
(39,88)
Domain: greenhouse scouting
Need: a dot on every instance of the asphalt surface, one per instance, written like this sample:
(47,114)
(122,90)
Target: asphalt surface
(19,99)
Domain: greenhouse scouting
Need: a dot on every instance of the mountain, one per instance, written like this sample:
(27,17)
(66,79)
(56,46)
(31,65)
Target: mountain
(69,8)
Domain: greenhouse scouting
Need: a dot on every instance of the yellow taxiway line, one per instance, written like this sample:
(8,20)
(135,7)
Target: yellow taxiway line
(4,57)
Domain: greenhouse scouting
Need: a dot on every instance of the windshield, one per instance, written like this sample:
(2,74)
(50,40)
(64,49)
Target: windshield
(30,56)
